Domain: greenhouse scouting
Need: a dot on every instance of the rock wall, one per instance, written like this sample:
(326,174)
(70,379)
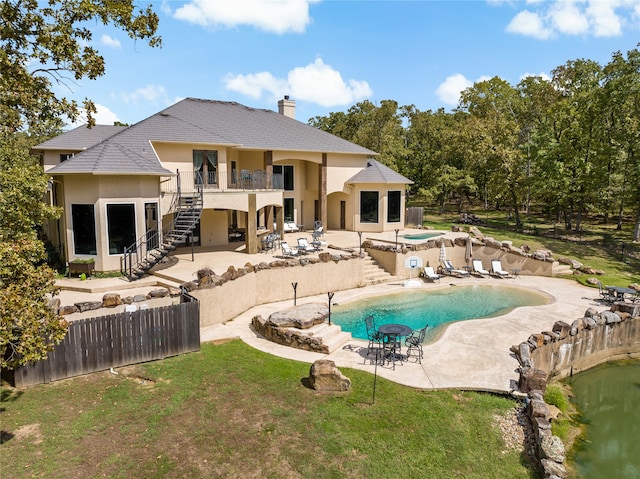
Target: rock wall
(566,349)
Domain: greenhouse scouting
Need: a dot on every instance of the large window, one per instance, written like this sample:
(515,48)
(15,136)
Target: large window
(84,229)
(393,207)
(287,174)
(288,209)
(368,207)
(121,227)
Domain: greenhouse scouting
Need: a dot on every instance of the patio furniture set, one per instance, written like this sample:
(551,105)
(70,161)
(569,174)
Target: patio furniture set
(385,342)
(477,269)
(613,294)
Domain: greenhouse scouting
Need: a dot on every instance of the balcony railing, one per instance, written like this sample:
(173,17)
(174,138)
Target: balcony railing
(238,180)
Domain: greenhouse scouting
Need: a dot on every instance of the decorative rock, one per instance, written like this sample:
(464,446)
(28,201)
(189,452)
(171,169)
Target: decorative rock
(562,329)
(158,293)
(325,376)
(589,323)
(111,300)
(553,470)
(552,447)
(301,317)
(88,305)
(525,248)
(593,281)
(610,317)
(590,313)
(64,310)
(538,408)
(54,304)
(537,340)
(524,353)
(189,286)
(533,379)
(139,298)
(324,257)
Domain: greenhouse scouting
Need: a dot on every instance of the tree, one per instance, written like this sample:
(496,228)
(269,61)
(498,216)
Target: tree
(47,43)
(43,44)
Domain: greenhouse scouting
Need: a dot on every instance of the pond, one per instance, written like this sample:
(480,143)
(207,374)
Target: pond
(608,398)
(437,308)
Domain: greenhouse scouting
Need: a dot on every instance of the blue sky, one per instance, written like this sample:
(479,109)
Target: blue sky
(330,54)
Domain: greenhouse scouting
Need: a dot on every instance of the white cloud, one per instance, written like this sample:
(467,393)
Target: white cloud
(104,116)
(543,75)
(600,18)
(149,93)
(529,24)
(317,83)
(277,16)
(449,91)
(110,42)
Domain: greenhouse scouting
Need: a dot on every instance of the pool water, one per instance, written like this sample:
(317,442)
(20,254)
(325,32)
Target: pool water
(421,236)
(435,308)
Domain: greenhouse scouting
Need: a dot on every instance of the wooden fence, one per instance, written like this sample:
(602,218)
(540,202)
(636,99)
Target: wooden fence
(96,344)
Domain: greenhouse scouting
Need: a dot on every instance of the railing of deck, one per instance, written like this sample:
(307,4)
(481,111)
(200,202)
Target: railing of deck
(189,181)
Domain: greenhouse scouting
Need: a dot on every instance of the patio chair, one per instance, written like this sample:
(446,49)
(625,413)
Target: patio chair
(430,274)
(414,341)
(478,268)
(605,294)
(374,336)
(304,246)
(448,268)
(287,251)
(496,269)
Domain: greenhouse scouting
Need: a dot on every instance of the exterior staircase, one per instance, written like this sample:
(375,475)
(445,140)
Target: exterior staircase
(374,273)
(152,247)
(331,335)
(562,269)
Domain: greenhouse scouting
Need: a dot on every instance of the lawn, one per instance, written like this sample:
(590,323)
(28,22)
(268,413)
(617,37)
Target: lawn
(231,411)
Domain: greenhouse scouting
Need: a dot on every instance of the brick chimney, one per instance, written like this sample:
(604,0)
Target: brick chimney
(287,107)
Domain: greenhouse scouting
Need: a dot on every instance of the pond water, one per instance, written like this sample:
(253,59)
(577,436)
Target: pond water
(608,398)
(436,308)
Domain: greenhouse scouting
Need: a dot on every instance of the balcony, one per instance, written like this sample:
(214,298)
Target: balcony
(189,181)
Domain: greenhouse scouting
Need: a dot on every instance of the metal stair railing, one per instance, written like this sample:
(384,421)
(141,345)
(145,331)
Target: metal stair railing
(155,244)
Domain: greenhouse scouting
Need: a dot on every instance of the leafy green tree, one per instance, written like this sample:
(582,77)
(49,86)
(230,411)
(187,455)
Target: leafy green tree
(49,43)
(621,104)
(28,326)
(44,44)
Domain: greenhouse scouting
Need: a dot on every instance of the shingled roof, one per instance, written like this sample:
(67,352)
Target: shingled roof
(80,138)
(376,172)
(202,121)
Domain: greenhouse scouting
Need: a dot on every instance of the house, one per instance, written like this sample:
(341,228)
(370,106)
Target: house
(208,172)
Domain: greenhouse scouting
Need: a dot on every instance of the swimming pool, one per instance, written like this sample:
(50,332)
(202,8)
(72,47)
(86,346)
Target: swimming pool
(435,308)
(421,236)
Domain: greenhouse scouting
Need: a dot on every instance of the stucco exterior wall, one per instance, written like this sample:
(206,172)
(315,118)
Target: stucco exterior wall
(101,191)
(225,302)
(383,224)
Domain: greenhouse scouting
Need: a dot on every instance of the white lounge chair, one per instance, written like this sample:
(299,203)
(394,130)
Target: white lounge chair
(287,250)
(449,269)
(496,269)
(479,268)
(430,274)
(290,227)
(304,246)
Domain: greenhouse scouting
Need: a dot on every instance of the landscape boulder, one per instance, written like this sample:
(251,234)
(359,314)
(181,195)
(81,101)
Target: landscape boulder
(325,376)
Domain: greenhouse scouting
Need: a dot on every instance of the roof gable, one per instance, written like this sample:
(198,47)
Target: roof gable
(376,172)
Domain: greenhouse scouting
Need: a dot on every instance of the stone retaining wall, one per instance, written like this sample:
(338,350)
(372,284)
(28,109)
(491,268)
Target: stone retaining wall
(566,349)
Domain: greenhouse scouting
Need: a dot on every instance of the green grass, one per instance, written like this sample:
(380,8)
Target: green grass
(232,411)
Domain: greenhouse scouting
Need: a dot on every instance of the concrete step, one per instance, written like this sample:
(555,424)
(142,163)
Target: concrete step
(330,335)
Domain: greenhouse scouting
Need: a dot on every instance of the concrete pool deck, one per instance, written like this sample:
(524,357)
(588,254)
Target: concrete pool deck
(471,354)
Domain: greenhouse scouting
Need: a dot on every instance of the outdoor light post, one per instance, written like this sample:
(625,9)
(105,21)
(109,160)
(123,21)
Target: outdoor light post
(397,237)
(330,296)
(295,286)
(360,241)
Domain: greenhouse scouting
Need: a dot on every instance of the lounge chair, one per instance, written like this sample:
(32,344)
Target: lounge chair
(290,227)
(304,246)
(479,268)
(287,251)
(430,274)
(448,268)
(496,269)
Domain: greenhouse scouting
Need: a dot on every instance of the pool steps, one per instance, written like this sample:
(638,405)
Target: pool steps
(331,335)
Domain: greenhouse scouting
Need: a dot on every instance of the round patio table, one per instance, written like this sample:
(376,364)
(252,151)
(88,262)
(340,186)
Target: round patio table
(397,329)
